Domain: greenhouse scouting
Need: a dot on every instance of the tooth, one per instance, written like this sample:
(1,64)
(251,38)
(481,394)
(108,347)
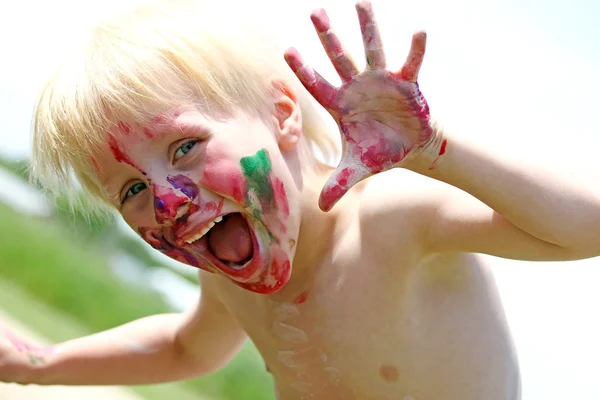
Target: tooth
(204,231)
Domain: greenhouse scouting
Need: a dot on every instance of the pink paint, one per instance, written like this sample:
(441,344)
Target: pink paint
(301,298)
(24,347)
(319,88)
(332,193)
(389,373)
(149,133)
(365,13)
(124,127)
(167,203)
(320,19)
(280,195)
(95,164)
(383,116)
(225,178)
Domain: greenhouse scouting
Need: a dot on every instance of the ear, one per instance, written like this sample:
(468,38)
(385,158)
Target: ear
(286,114)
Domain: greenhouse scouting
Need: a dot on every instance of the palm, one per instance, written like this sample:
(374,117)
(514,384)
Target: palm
(382,115)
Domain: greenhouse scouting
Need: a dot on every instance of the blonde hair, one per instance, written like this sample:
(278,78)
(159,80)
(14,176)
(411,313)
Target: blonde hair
(144,63)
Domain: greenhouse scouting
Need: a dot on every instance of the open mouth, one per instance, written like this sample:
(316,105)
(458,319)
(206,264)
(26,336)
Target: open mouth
(228,238)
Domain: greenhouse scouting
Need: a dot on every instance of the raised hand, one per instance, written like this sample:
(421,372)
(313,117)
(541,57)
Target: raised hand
(382,115)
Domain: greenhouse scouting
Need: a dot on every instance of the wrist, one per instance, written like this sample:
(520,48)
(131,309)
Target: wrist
(425,158)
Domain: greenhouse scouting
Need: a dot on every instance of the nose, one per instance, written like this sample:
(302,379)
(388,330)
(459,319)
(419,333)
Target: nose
(168,204)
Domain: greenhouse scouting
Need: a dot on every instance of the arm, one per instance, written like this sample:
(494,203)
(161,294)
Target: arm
(155,349)
(516,210)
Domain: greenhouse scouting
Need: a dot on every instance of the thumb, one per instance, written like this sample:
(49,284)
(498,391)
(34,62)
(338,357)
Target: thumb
(348,173)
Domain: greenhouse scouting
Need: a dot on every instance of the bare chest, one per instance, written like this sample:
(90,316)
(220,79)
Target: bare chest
(368,331)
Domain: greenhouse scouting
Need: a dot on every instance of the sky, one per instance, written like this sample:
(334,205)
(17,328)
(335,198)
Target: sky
(517,75)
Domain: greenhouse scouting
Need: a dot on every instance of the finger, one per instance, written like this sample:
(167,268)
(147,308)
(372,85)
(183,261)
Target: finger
(340,58)
(371,36)
(315,84)
(348,173)
(410,69)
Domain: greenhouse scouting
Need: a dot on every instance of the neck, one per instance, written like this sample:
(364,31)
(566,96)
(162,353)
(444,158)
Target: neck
(315,237)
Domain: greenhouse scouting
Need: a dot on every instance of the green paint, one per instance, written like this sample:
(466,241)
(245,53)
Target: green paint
(35,359)
(369,61)
(256,171)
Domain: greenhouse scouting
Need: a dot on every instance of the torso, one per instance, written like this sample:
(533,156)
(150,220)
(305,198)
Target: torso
(369,326)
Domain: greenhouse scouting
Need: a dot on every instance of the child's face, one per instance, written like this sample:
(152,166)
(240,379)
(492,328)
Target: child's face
(216,194)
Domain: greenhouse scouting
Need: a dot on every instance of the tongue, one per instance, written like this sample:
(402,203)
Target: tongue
(230,239)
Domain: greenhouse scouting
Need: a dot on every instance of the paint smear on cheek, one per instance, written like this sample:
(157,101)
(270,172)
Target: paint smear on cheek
(120,155)
(167,203)
(185,184)
(280,195)
(257,169)
(389,373)
(226,179)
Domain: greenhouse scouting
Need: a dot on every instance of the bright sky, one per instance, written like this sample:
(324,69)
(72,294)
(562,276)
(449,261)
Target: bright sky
(519,75)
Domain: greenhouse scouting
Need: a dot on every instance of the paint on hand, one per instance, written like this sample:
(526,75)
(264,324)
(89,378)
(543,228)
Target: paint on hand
(36,355)
(382,115)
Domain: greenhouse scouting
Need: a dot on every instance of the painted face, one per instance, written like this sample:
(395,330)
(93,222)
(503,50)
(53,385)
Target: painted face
(212,193)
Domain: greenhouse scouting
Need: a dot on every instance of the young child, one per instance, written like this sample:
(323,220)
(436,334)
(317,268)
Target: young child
(204,144)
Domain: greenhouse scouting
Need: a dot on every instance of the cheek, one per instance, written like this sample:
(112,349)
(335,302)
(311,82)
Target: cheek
(226,178)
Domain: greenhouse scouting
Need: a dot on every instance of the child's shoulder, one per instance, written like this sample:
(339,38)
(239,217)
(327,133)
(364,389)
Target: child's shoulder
(396,206)
(399,191)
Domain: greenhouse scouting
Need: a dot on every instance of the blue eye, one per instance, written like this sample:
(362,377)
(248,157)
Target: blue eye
(184,149)
(135,189)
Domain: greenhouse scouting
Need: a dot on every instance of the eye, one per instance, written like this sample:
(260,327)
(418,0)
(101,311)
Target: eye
(134,189)
(184,149)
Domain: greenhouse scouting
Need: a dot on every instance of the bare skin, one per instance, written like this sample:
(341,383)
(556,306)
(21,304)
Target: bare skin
(382,317)
(381,297)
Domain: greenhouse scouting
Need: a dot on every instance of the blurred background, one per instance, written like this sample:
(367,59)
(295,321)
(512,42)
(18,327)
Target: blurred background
(518,75)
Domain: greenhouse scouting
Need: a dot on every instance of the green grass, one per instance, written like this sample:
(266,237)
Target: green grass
(57,327)
(68,272)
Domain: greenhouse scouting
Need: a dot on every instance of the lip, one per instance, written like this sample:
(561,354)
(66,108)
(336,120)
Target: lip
(193,222)
(243,274)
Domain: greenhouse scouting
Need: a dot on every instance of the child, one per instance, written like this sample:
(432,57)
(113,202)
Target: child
(205,146)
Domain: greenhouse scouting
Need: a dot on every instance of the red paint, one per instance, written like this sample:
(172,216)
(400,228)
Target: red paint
(280,195)
(389,373)
(441,153)
(443,149)
(320,19)
(120,155)
(302,298)
(332,193)
(344,176)
(318,87)
(124,127)
(149,133)
(226,179)
(167,203)
(95,164)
